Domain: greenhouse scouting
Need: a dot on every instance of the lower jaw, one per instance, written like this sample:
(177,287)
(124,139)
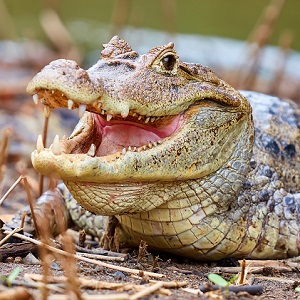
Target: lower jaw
(118,198)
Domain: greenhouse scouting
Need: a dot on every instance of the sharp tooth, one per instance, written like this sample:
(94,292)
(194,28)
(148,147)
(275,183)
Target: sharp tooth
(139,149)
(124,151)
(108,117)
(70,104)
(81,110)
(39,144)
(134,149)
(92,150)
(147,119)
(139,117)
(55,146)
(159,142)
(35,98)
(47,111)
(153,119)
(102,112)
(144,147)
(134,114)
(99,105)
(125,113)
(129,148)
(154,144)
(52,91)
(150,145)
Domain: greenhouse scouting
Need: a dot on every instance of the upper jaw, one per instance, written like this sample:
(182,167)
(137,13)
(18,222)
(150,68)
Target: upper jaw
(63,83)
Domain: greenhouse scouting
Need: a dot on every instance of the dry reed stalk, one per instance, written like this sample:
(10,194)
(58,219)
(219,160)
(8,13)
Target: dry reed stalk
(142,251)
(46,257)
(169,15)
(70,268)
(285,42)
(6,134)
(120,15)
(4,144)
(9,235)
(59,35)
(257,41)
(7,23)
(30,201)
(44,138)
(10,189)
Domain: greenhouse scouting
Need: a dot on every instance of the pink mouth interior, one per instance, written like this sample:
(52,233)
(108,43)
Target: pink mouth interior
(118,134)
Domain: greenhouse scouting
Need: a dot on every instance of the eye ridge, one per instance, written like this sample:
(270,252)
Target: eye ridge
(169,62)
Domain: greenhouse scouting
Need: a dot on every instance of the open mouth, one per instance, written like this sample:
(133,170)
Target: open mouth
(119,135)
(98,136)
(99,133)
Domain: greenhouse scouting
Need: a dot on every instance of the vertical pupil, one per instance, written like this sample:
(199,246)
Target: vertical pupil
(169,62)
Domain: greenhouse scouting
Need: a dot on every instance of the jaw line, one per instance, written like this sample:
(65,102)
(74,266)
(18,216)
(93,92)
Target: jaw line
(81,167)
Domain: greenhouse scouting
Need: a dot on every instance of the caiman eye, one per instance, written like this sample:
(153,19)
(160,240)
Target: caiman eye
(169,62)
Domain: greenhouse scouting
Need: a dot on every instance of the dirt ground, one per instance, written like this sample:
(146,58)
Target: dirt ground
(276,285)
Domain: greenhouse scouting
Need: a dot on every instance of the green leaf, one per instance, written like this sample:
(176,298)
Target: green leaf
(217,279)
(12,276)
(233,279)
(297,289)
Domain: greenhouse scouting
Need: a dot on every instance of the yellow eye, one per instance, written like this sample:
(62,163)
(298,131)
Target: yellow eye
(169,62)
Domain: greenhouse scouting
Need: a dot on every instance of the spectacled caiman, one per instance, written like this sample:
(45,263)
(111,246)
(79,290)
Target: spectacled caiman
(183,160)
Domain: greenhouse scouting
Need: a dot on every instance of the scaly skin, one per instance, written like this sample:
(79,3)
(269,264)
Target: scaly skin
(193,182)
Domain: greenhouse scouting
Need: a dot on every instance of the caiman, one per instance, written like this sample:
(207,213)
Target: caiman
(183,160)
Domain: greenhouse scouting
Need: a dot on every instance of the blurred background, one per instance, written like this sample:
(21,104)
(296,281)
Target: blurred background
(232,37)
(251,44)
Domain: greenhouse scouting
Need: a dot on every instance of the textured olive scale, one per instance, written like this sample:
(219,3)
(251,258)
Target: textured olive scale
(237,196)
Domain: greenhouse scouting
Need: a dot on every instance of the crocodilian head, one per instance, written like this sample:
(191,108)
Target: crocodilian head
(145,118)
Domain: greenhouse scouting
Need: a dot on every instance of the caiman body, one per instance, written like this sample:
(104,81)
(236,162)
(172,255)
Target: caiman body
(171,150)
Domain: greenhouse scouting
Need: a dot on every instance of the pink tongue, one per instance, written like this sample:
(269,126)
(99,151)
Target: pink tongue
(116,135)
(119,136)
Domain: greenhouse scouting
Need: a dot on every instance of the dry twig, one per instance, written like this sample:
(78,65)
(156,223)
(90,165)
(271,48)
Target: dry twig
(95,284)
(9,235)
(100,263)
(10,189)
(100,251)
(101,257)
(122,296)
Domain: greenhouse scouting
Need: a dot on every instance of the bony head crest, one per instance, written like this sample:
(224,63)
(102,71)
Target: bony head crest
(115,47)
